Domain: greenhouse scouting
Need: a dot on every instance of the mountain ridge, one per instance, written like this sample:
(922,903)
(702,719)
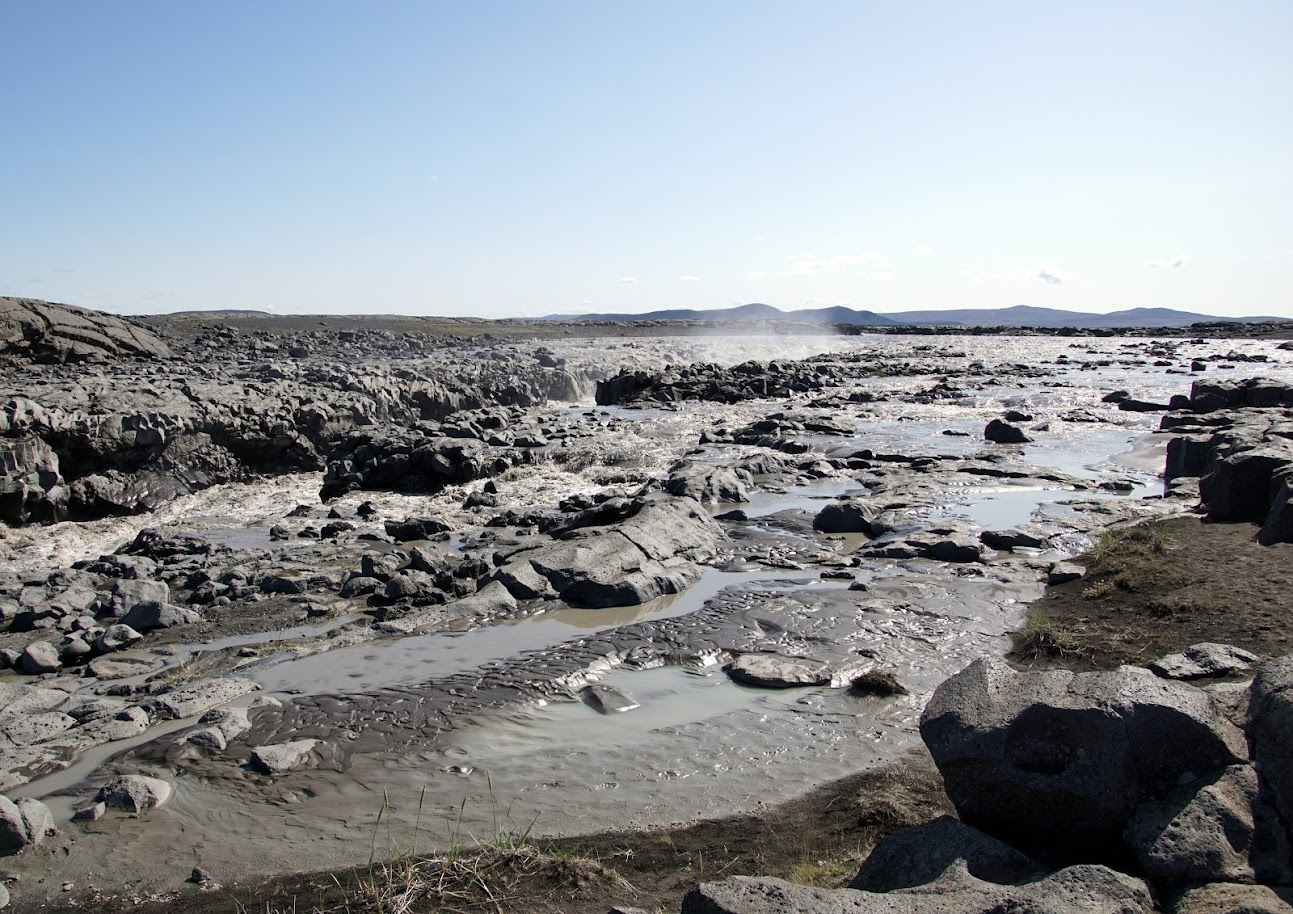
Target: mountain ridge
(1015,316)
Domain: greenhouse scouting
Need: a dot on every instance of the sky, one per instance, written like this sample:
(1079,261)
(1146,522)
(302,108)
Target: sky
(531,157)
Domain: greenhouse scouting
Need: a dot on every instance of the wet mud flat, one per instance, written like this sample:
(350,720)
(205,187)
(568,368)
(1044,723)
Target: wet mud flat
(590,617)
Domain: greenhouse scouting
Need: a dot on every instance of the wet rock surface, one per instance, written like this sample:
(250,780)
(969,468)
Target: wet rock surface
(369,556)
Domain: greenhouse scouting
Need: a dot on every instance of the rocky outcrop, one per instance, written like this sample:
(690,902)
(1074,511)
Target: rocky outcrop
(31,488)
(651,553)
(47,332)
(1075,890)
(1061,760)
(1237,436)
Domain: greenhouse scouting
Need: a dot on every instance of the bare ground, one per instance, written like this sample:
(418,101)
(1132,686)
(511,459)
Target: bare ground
(1149,590)
(1158,588)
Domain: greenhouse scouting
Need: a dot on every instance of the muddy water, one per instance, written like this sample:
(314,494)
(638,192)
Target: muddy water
(699,744)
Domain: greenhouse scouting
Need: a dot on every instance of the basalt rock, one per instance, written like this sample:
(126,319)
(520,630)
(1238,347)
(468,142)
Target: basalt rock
(1058,760)
(651,553)
(31,487)
(52,333)
(1075,890)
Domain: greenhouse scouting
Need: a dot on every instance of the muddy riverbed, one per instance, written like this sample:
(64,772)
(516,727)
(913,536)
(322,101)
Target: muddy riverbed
(438,714)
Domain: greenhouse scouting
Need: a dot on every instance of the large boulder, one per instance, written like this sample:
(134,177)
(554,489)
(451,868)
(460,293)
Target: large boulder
(1212,829)
(649,554)
(49,332)
(1075,890)
(1235,898)
(1270,727)
(31,488)
(134,793)
(849,517)
(922,854)
(708,484)
(1000,432)
(1057,761)
(39,657)
(146,616)
(1242,486)
(23,823)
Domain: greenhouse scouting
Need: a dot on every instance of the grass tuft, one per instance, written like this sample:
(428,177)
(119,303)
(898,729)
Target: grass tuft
(1040,637)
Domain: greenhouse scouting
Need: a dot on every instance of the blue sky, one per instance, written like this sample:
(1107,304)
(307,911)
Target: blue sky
(524,158)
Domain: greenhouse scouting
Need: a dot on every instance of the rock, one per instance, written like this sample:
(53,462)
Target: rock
(919,855)
(608,699)
(1142,406)
(127,594)
(777,671)
(91,813)
(149,615)
(1270,728)
(229,722)
(647,555)
(281,584)
(39,657)
(1203,659)
(1229,898)
(1239,488)
(29,728)
(1004,433)
(116,637)
(1075,890)
(23,823)
(415,528)
(134,793)
(848,517)
(199,697)
(1063,572)
(1058,761)
(37,819)
(410,585)
(1278,526)
(1006,540)
(878,684)
(74,650)
(707,484)
(1204,831)
(31,488)
(123,665)
(52,333)
(359,585)
(282,757)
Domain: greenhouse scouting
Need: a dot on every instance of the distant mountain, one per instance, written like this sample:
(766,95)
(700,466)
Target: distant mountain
(1017,316)
(1028,316)
(751,312)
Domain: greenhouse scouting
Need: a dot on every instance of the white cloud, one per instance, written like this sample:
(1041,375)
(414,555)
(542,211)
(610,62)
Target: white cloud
(924,250)
(1048,277)
(689,278)
(759,239)
(811,265)
(876,276)
(629,281)
(1179,262)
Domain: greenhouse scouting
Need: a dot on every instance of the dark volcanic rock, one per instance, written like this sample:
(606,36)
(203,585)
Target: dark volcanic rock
(651,553)
(48,332)
(1000,432)
(919,855)
(1075,890)
(1060,760)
